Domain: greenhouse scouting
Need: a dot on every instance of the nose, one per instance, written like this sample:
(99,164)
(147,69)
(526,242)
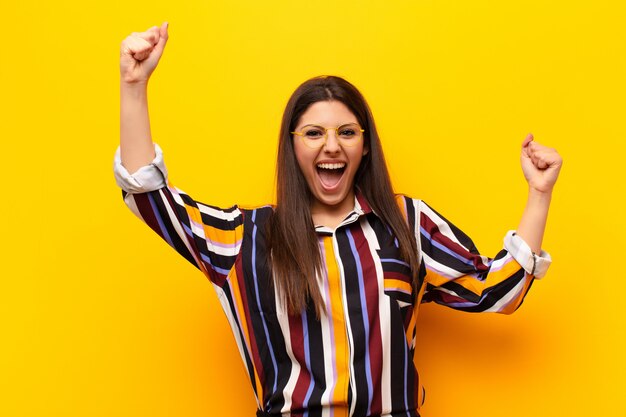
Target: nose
(332,142)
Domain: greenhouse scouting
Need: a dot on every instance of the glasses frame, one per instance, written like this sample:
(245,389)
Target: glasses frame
(326,129)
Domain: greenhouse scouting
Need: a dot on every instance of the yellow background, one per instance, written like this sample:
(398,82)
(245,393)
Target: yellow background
(99,317)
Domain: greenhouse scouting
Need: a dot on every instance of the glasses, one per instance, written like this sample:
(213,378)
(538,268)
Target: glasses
(315,136)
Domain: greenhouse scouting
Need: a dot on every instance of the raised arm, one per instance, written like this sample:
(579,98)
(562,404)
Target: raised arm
(541,166)
(208,237)
(139,55)
(458,276)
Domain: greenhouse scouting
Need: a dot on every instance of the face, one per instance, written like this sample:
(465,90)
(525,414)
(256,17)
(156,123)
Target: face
(330,169)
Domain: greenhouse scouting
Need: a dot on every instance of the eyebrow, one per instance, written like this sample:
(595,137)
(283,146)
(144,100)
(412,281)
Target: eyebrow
(316,125)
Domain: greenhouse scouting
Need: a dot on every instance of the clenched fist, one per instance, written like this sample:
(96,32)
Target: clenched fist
(140,53)
(541,165)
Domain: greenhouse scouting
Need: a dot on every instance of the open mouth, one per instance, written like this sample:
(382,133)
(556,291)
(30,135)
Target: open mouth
(330,174)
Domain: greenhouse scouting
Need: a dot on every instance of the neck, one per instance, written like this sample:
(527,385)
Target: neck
(332,216)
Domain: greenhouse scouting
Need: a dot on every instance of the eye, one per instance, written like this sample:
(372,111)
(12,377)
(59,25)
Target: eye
(313,133)
(347,132)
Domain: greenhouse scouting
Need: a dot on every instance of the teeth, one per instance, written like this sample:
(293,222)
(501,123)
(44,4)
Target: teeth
(332,166)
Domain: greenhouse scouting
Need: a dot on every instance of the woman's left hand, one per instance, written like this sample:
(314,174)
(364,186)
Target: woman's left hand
(541,165)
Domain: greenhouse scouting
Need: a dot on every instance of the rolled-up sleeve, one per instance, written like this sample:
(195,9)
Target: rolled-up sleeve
(458,276)
(148,178)
(532,263)
(207,236)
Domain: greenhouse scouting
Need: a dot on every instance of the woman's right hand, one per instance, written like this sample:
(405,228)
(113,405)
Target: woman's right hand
(140,53)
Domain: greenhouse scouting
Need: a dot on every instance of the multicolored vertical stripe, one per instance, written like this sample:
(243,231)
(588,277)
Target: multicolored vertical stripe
(358,358)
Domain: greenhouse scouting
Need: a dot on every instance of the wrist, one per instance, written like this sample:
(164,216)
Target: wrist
(539,193)
(133,85)
(539,197)
(135,90)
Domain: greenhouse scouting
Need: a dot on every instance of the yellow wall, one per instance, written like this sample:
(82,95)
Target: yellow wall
(99,317)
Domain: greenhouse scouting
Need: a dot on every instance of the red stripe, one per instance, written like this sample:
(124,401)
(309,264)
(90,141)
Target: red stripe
(214,276)
(147,212)
(449,298)
(437,236)
(256,358)
(371,289)
(363,202)
(297,346)
(398,275)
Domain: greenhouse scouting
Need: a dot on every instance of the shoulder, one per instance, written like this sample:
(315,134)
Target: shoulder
(407,203)
(417,211)
(410,208)
(258,213)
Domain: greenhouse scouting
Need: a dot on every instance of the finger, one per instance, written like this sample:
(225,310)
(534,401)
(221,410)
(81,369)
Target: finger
(525,145)
(534,159)
(137,47)
(529,138)
(539,163)
(151,35)
(535,154)
(163,37)
(550,157)
(163,30)
(536,146)
(130,45)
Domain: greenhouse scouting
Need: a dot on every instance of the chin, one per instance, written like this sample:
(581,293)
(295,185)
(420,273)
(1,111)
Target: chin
(331,200)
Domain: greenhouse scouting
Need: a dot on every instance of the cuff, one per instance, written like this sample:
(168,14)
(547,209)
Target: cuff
(147,178)
(534,264)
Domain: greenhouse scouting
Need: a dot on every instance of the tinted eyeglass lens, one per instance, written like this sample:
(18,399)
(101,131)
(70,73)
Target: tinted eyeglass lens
(349,133)
(314,133)
(315,136)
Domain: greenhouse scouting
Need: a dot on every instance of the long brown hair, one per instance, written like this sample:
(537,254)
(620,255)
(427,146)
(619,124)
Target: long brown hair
(292,242)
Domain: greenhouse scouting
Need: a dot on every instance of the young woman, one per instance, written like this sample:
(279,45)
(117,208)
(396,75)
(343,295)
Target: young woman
(322,290)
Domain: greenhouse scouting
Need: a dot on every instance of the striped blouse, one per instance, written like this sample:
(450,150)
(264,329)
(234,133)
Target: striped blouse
(358,358)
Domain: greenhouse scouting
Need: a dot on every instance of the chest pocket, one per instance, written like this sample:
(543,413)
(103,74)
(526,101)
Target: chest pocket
(396,275)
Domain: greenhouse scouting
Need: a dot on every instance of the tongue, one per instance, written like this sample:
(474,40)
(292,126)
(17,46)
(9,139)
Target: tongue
(330,177)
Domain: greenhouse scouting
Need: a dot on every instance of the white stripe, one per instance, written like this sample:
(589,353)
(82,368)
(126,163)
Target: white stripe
(440,268)
(179,228)
(417,206)
(328,350)
(443,227)
(235,329)
(504,301)
(283,320)
(384,306)
(349,330)
(199,231)
(130,203)
(219,214)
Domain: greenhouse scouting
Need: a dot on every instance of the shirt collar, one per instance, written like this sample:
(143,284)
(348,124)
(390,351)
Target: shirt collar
(361,205)
(361,208)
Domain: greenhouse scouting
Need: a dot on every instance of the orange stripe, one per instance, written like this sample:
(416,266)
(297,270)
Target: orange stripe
(474,285)
(340,394)
(234,284)
(514,304)
(191,211)
(212,233)
(391,283)
(223,236)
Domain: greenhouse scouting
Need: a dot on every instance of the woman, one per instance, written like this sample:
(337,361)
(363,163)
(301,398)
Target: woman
(322,291)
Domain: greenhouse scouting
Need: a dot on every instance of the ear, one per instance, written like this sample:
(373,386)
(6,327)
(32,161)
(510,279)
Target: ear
(366,150)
